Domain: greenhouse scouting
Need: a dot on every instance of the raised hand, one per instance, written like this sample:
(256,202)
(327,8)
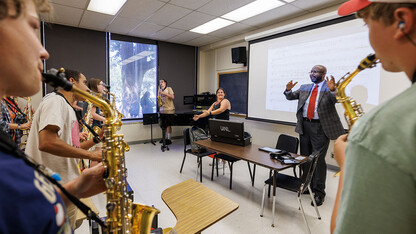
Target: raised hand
(290,85)
(330,83)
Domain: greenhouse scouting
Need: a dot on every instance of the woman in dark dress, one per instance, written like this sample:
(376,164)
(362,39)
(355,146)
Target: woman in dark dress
(219,109)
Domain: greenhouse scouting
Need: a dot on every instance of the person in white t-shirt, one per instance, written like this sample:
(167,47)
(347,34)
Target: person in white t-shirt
(54,137)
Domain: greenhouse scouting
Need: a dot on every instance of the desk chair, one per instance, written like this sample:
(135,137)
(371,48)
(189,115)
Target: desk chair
(200,155)
(294,184)
(291,145)
(230,160)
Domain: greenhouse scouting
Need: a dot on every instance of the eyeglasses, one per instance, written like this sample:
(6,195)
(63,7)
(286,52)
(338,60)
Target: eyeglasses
(315,72)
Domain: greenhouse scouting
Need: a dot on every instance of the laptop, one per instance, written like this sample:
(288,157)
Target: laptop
(229,132)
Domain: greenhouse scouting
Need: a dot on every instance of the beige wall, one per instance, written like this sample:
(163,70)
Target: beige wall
(216,58)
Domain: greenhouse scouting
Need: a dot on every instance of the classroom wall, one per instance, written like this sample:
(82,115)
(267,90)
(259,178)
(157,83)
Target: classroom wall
(216,58)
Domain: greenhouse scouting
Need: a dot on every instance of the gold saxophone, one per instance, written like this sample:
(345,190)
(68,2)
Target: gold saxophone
(123,216)
(119,114)
(353,111)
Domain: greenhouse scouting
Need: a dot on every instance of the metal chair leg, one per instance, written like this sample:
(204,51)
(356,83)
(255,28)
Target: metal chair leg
(183,162)
(262,200)
(231,174)
(273,208)
(200,169)
(303,212)
(314,203)
(212,170)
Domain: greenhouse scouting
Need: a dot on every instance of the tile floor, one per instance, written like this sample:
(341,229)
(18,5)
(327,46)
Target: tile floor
(150,172)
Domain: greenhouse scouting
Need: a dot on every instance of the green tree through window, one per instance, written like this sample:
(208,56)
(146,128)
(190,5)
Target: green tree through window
(133,77)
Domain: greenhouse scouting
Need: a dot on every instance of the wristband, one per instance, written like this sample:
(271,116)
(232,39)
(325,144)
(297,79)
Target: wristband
(18,126)
(210,113)
(96,139)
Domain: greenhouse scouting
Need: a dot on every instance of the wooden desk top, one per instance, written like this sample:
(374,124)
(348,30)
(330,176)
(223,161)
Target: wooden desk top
(250,153)
(195,206)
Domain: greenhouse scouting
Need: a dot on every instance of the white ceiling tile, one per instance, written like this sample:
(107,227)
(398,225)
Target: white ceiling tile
(166,33)
(272,16)
(315,5)
(140,9)
(65,15)
(203,40)
(146,29)
(192,20)
(82,4)
(183,37)
(95,20)
(220,7)
(122,25)
(190,4)
(168,14)
(232,30)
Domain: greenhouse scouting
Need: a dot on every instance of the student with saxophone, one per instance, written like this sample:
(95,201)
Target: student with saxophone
(29,202)
(54,137)
(165,102)
(377,192)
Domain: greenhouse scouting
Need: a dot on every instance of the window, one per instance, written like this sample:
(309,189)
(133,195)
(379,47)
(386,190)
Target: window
(133,77)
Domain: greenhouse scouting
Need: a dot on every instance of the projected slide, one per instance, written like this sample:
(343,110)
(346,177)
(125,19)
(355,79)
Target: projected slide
(338,54)
(340,47)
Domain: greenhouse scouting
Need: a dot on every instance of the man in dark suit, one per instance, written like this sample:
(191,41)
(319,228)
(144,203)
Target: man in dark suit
(317,122)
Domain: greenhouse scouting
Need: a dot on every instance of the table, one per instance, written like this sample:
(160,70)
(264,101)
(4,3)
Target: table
(195,206)
(251,153)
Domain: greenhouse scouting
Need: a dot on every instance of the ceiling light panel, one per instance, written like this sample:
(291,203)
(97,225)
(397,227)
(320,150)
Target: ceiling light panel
(109,7)
(252,9)
(212,25)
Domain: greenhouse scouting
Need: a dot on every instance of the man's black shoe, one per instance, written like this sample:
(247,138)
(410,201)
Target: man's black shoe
(161,141)
(168,142)
(319,200)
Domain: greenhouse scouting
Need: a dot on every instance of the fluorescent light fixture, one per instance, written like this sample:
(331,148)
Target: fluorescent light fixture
(212,25)
(109,7)
(289,0)
(252,9)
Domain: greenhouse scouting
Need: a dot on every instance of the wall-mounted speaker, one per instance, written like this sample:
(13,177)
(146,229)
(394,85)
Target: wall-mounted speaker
(239,55)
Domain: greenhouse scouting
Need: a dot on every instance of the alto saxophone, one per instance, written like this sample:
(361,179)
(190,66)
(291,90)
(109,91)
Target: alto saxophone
(123,216)
(119,114)
(353,111)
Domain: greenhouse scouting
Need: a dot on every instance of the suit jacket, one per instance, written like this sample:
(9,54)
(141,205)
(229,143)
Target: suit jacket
(328,116)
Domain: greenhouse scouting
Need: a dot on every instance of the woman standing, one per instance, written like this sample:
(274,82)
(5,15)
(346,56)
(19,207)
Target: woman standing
(219,109)
(97,86)
(166,96)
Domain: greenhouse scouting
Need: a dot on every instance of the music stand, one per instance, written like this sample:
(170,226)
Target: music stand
(150,118)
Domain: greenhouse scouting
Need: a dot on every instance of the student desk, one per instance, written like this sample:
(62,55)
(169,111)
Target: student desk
(195,206)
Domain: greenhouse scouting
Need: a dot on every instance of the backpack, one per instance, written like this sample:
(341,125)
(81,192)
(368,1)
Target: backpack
(197,134)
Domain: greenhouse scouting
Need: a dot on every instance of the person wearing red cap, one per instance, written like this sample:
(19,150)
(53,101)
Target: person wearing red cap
(377,189)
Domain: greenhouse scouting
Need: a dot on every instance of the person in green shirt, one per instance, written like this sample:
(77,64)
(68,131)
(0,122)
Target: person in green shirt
(377,189)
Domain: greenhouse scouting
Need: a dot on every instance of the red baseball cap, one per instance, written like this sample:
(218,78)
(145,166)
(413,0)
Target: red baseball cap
(352,6)
(356,5)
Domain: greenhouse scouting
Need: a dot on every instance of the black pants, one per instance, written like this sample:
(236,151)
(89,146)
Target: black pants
(313,140)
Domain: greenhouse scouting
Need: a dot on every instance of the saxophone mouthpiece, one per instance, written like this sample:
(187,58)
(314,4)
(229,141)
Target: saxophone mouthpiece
(369,62)
(56,78)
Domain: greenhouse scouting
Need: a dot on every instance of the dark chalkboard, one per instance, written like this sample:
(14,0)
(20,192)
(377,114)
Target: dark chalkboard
(235,85)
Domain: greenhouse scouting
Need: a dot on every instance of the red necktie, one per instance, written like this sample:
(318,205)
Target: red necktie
(312,100)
